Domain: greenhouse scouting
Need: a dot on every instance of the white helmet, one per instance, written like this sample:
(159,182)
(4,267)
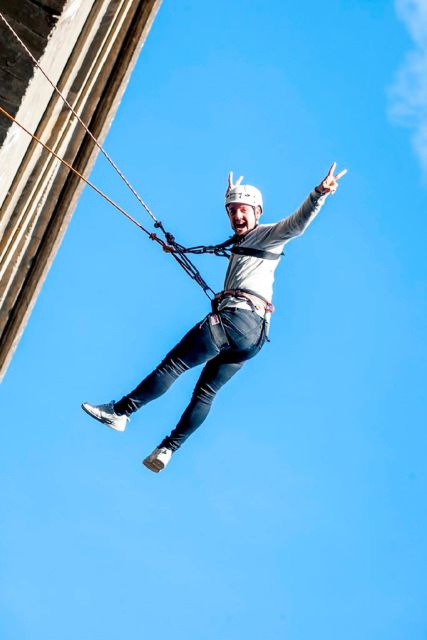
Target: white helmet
(245,194)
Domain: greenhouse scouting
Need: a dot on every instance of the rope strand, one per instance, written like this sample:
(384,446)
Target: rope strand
(76,115)
(182,259)
(170,246)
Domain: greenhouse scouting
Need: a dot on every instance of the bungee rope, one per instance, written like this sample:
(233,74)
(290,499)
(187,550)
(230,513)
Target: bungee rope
(177,252)
(76,115)
(169,245)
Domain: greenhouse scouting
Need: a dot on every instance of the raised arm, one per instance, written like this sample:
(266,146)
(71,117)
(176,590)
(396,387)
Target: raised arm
(295,224)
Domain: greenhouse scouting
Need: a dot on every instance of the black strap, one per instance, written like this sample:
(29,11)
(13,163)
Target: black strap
(255,253)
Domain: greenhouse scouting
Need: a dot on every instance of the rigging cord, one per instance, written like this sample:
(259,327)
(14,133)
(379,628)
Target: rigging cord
(177,250)
(167,246)
(76,115)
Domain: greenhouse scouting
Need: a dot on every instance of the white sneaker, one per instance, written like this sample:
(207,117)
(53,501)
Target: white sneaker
(105,413)
(158,460)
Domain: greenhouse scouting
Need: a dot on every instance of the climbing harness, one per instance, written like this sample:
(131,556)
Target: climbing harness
(256,301)
(168,244)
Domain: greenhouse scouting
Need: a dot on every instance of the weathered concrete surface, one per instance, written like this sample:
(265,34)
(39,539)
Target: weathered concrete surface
(33,21)
(87,47)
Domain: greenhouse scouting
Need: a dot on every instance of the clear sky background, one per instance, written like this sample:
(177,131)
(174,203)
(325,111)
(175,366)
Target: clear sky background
(298,510)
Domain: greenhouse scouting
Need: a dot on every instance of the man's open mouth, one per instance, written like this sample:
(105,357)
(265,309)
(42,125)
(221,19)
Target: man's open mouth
(240,226)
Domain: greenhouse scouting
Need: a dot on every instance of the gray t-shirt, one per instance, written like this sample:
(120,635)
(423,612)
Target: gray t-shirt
(257,274)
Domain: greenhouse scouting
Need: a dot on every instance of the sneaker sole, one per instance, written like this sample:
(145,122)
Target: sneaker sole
(102,420)
(153,465)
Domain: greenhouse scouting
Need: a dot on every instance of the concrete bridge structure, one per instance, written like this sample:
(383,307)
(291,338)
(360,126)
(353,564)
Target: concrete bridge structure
(88,49)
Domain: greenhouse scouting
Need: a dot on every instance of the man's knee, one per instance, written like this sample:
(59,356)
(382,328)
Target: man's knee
(205,393)
(173,367)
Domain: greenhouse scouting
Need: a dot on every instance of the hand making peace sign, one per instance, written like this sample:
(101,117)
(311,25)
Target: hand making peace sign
(231,184)
(330,183)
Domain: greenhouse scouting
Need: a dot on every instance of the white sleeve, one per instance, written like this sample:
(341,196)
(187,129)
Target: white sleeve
(295,224)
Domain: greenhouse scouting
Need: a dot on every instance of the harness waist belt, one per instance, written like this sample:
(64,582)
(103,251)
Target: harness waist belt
(254,298)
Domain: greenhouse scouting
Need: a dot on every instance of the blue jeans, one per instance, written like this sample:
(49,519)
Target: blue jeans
(245,332)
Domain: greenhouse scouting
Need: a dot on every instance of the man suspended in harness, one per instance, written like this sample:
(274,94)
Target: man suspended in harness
(237,327)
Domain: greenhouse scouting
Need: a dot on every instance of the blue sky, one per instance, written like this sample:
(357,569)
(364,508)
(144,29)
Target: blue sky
(298,510)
